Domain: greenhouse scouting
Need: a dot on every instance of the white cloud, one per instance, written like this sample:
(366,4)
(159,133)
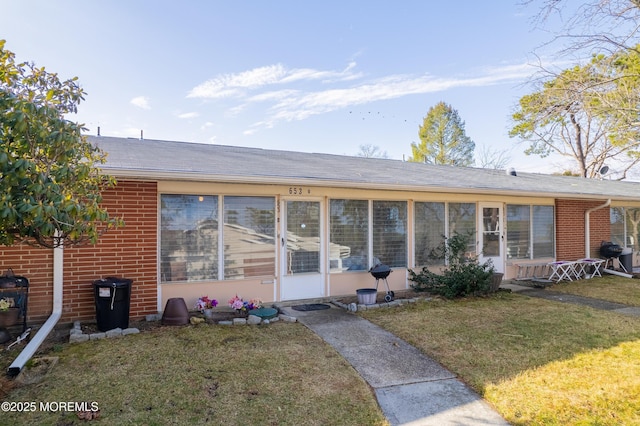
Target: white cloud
(303,105)
(189,115)
(140,102)
(227,85)
(307,92)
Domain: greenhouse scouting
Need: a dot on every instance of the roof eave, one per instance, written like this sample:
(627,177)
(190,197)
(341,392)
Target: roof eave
(156,175)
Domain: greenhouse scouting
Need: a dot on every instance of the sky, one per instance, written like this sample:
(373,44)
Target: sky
(325,76)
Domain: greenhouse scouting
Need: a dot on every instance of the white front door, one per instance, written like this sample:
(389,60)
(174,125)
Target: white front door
(302,259)
(491,235)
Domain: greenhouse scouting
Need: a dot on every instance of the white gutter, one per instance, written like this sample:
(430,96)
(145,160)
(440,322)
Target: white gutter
(587,223)
(46,328)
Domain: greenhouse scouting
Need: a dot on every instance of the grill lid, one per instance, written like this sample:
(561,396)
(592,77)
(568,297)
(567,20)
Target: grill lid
(380,271)
(609,250)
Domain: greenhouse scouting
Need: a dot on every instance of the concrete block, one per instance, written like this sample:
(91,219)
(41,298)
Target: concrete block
(77,338)
(97,336)
(287,318)
(116,332)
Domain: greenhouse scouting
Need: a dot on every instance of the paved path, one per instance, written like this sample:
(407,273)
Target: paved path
(411,388)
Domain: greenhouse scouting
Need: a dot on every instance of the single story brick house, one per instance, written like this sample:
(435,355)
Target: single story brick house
(218,220)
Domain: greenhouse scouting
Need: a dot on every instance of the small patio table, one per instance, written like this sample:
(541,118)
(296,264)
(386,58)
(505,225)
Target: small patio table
(563,270)
(595,263)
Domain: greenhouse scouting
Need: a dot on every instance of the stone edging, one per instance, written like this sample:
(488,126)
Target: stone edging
(355,307)
(76,335)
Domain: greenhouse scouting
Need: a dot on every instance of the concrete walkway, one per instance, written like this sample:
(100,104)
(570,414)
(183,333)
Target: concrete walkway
(411,388)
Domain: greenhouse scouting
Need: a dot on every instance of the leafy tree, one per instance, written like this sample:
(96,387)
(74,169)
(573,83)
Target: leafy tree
(50,186)
(585,113)
(443,139)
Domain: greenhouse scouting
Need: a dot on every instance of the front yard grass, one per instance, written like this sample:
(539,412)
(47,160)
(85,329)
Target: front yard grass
(610,287)
(281,374)
(536,361)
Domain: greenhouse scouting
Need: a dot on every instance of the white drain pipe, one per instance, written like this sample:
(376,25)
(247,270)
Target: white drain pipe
(46,328)
(587,226)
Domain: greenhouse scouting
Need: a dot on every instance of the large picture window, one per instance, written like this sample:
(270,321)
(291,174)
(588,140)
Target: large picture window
(530,232)
(518,231)
(349,235)
(429,233)
(543,232)
(188,237)
(249,237)
(462,221)
(390,233)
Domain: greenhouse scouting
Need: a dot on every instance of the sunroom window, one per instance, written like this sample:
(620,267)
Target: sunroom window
(249,237)
(349,235)
(390,232)
(530,231)
(188,237)
(462,221)
(429,233)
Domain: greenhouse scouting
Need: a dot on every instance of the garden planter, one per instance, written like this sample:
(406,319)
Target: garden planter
(9,317)
(175,312)
(367,296)
(496,280)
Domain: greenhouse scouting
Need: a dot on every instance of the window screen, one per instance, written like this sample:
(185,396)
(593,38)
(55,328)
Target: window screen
(390,233)
(462,221)
(188,237)
(429,233)
(349,235)
(249,237)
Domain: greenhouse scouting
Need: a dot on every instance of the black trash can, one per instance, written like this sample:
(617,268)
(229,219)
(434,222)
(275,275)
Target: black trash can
(626,260)
(113,298)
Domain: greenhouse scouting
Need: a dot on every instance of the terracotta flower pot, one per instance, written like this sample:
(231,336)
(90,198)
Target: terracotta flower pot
(9,317)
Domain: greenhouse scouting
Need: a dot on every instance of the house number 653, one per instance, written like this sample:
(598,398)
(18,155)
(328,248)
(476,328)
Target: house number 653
(295,190)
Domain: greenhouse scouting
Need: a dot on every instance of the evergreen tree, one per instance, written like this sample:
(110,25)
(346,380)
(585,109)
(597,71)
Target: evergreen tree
(443,139)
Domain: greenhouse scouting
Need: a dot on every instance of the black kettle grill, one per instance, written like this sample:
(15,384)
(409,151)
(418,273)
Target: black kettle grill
(381,272)
(610,250)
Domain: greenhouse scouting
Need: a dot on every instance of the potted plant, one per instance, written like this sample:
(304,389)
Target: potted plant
(243,307)
(8,312)
(205,305)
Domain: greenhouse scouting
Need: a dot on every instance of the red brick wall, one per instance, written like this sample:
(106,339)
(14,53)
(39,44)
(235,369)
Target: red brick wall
(570,228)
(130,251)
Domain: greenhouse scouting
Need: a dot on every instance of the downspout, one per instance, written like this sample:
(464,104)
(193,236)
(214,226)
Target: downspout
(46,328)
(587,227)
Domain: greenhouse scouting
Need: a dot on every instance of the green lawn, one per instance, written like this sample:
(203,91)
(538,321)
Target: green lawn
(609,287)
(536,361)
(281,374)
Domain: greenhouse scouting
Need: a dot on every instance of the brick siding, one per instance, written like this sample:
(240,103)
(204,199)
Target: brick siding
(570,228)
(130,251)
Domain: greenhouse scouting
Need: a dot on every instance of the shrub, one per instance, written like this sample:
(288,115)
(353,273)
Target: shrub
(464,275)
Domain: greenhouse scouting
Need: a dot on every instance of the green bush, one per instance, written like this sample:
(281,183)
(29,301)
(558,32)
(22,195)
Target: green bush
(464,276)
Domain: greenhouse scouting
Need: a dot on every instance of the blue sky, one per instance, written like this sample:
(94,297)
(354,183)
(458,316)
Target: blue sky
(298,75)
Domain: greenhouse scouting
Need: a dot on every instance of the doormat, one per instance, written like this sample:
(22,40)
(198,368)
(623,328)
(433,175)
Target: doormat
(310,307)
